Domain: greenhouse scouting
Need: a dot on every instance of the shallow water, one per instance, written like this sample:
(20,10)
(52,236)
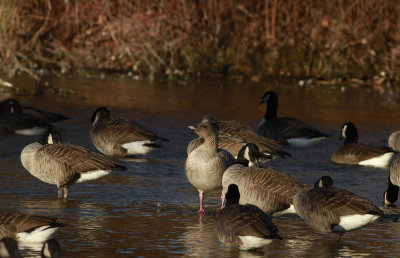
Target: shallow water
(151,209)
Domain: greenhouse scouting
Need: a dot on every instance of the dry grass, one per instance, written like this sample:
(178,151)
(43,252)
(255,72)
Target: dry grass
(319,39)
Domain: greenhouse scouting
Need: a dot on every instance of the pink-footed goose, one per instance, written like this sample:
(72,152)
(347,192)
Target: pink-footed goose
(233,135)
(286,130)
(63,164)
(330,209)
(121,137)
(244,226)
(354,153)
(270,190)
(206,164)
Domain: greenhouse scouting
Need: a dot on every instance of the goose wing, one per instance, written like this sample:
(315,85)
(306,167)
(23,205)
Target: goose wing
(342,202)
(194,144)
(74,159)
(354,153)
(20,222)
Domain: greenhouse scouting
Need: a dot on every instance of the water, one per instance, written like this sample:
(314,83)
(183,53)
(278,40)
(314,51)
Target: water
(150,209)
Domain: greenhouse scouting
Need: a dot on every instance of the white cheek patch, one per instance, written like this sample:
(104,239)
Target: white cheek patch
(344,131)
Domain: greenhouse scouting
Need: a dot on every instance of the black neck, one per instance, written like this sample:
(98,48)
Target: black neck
(272,109)
(392,192)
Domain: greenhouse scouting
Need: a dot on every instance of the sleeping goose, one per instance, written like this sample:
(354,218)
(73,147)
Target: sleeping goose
(270,190)
(206,164)
(245,226)
(120,137)
(353,153)
(233,135)
(63,164)
(286,130)
(28,228)
(392,192)
(394,140)
(330,209)
(13,120)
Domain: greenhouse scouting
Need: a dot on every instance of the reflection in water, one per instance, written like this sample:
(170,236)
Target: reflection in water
(150,209)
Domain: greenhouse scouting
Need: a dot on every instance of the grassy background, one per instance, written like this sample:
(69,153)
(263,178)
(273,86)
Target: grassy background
(241,39)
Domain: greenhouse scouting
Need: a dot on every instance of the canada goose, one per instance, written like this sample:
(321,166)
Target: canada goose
(51,249)
(13,120)
(119,137)
(330,209)
(394,140)
(28,227)
(392,192)
(353,153)
(63,164)
(245,226)
(286,130)
(206,164)
(9,248)
(234,135)
(270,190)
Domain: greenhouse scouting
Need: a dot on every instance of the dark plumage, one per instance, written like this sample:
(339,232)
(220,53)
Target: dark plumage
(286,130)
(330,209)
(354,153)
(121,137)
(244,226)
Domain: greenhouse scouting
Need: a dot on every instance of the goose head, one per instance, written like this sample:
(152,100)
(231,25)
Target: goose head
(249,155)
(100,113)
(349,133)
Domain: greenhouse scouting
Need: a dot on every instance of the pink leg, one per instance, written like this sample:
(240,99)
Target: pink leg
(201,210)
(222,201)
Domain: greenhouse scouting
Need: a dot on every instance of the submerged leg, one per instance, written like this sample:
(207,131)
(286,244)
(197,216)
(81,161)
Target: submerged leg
(65,192)
(222,201)
(201,210)
(60,192)
(339,236)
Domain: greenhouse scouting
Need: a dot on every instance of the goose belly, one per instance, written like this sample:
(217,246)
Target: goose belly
(32,131)
(92,175)
(138,147)
(381,161)
(304,142)
(40,234)
(253,242)
(351,222)
(205,175)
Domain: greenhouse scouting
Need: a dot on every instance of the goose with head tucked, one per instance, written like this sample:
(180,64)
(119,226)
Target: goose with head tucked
(28,228)
(354,153)
(233,135)
(244,226)
(269,189)
(392,192)
(121,137)
(286,130)
(330,209)
(394,140)
(206,164)
(14,120)
(63,164)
